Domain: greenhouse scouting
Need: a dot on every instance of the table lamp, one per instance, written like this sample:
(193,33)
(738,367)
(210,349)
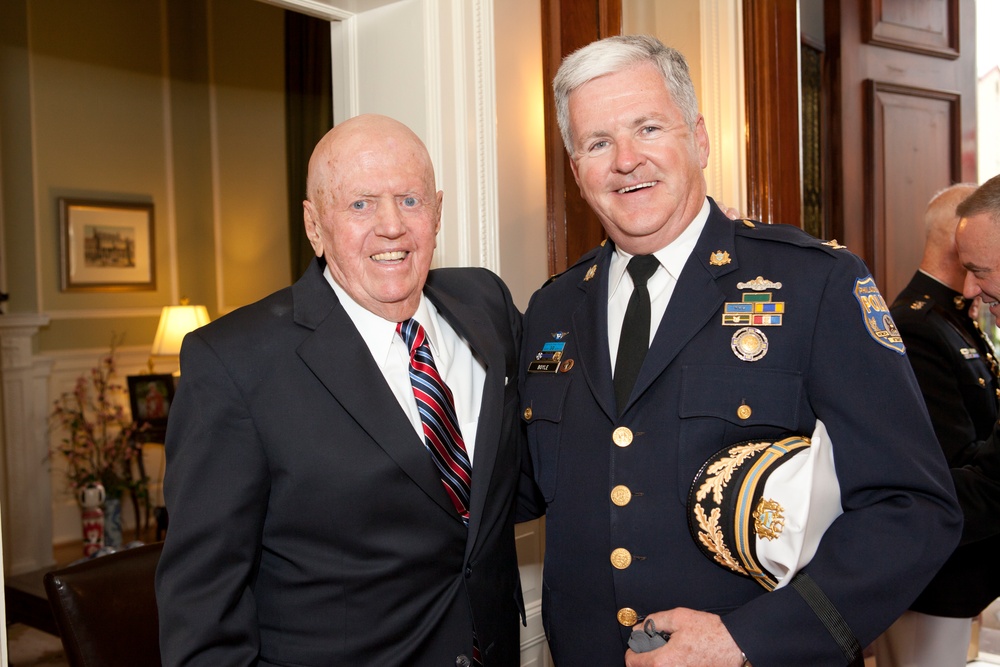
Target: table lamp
(175,323)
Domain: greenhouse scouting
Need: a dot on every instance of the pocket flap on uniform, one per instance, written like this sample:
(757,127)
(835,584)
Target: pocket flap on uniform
(742,395)
(543,399)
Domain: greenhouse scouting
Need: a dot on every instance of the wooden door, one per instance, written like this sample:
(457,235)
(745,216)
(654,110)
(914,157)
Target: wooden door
(567,25)
(902,90)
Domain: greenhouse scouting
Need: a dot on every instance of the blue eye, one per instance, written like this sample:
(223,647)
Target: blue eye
(598,145)
(410,202)
(359,205)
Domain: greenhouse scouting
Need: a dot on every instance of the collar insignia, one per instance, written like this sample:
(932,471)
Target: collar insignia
(719,258)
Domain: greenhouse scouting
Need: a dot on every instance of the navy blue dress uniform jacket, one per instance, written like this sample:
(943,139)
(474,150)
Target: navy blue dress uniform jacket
(693,397)
(308,523)
(954,367)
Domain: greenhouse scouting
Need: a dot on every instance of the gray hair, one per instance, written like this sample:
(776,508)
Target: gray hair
(984,200)
(614,54)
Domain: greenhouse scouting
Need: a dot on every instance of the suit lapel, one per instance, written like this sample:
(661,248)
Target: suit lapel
(590,327)
(472,325)
(695,300)
(332,353)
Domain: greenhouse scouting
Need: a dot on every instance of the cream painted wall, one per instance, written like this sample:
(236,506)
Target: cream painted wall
(248,139)
(177,103)
(520,147)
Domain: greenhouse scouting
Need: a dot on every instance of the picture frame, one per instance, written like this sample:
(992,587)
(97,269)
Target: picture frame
(106,246)
(150,397)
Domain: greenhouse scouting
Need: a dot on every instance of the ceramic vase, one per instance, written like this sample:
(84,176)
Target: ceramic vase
(92,514)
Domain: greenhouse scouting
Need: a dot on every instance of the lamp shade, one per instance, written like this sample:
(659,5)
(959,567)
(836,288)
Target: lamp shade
(175,323)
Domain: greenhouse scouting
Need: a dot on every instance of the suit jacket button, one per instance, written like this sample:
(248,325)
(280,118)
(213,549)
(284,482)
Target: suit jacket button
(627,617)
(621,558)
(621,495)
(462,661)
(468,572)
(622,436)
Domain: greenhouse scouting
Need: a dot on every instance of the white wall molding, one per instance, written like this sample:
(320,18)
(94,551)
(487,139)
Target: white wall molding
(23,462)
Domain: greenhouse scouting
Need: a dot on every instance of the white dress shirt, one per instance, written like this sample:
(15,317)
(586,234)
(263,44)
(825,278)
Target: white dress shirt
(660,286)
(458,366)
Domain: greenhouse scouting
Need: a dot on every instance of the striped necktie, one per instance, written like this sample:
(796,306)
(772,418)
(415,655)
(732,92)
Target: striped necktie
(442,435)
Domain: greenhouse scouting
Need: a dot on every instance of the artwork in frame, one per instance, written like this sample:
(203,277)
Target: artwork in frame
(107,246)
(150,397)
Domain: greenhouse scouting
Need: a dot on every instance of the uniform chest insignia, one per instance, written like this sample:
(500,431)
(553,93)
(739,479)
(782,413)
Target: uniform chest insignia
(875,314)
(550,358)
(749,344)
(759,284)
(756,309)
(833,244)
(719,258)
(590,273)
(969,352)
(917,305)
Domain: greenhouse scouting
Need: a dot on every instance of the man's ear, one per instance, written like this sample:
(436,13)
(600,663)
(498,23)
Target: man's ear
(310,218)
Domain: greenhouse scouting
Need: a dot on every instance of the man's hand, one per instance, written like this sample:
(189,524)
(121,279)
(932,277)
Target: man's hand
(731,213)
(697,639)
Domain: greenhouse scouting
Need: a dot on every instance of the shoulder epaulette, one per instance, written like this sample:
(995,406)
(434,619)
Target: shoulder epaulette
(786,234)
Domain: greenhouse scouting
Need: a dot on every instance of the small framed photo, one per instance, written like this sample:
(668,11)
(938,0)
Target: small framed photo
(106,246)
(150,397)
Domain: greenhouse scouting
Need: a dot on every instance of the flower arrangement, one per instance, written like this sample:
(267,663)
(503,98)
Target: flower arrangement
(98,443)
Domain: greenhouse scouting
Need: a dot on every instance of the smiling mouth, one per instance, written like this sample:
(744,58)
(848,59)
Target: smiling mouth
(637,186)
(393,256)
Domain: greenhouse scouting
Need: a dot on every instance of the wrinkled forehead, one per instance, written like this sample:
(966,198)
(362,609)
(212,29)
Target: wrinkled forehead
(379,165)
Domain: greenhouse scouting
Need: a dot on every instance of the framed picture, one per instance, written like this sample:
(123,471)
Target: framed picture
(106,246)
(150,397)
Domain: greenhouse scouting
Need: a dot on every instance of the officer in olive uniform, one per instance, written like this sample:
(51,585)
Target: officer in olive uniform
(756,332)
(957,373)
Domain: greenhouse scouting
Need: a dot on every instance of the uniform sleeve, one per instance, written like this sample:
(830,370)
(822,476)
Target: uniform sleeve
(939,386)
(978,488)
(900,520)
(216,491)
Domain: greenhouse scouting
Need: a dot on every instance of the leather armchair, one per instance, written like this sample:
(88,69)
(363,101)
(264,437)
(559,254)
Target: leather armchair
(105,608)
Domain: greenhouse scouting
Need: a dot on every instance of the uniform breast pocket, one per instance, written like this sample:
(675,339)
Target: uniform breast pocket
(724,405)
(542,410)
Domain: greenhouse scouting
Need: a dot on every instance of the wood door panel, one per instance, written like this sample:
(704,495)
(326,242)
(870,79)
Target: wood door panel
(929,26)
(913,147)
(899,119)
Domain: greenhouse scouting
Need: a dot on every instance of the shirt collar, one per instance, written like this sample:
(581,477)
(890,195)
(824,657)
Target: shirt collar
(379,333)
(673,257)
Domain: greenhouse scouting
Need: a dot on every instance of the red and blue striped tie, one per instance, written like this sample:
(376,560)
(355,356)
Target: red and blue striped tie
(442,435)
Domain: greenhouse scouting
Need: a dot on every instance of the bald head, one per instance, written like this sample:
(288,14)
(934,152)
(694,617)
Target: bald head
(940,220)
(340,148)
(372,213)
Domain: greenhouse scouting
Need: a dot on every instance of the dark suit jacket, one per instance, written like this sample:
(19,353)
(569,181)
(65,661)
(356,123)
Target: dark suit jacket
(308,524)
(823,362)
(950,359)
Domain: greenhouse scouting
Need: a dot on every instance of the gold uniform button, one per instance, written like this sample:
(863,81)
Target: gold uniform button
(744,411)
(621,495)
(527,413)
(622,436)
(621,558)
(627,617)
(982,382)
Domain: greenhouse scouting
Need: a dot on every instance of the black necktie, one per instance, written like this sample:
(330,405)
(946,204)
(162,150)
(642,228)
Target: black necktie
(634,341)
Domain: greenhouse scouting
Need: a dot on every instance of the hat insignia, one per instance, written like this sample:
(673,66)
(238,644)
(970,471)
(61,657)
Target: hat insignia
(768,519)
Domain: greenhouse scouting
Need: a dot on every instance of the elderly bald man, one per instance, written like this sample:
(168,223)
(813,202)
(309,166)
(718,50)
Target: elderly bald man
(342,455)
